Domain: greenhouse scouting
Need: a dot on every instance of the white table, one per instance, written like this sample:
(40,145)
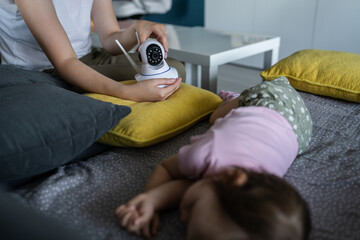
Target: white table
(203,50)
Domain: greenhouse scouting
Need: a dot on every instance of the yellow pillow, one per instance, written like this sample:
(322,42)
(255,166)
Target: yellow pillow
(153,122)
(328,73)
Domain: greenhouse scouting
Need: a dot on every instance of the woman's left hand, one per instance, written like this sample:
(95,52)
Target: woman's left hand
(146,29)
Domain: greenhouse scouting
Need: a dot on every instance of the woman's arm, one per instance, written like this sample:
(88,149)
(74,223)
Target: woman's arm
(40,17)
(108,29)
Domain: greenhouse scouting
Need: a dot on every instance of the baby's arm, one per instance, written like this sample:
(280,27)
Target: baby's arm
(223,109)
(139,214)
(163,190)
(165,171)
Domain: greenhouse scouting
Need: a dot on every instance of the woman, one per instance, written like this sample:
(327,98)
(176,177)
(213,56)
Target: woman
(47,35)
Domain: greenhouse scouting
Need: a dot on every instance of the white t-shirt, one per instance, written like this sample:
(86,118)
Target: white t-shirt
(19,47)
(128,8)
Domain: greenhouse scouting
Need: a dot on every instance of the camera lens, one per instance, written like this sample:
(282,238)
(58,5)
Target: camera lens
(154,54)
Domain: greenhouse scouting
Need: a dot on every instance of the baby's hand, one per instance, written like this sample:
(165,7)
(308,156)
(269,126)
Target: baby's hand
(138,216)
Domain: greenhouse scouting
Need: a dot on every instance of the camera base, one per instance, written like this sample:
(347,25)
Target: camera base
(169,73)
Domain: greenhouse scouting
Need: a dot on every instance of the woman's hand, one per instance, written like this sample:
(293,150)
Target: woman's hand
(146,29)
(148,90)
(139,216)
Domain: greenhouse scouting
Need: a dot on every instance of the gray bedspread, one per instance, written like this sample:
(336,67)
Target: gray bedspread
(84,195)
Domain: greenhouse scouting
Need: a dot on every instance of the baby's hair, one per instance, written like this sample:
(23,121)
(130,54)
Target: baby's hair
(265,207)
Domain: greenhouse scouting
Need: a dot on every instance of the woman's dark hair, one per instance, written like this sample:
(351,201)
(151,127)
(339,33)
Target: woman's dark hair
(265,207)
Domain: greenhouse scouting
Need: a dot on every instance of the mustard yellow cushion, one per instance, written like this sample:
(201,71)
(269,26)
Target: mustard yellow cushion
(153,122)
(328,73)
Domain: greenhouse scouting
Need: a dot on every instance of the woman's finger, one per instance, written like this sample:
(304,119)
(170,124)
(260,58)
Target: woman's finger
(159,31)
(172,88)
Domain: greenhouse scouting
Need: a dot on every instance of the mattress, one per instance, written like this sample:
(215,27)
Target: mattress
(84,195)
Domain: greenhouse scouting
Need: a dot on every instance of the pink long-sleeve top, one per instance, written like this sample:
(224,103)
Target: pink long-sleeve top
(255,138)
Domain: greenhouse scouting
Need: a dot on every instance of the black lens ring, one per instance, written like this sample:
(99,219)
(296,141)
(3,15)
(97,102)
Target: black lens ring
(154,54)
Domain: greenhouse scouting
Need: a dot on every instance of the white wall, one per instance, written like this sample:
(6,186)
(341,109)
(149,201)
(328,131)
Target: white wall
(302,24)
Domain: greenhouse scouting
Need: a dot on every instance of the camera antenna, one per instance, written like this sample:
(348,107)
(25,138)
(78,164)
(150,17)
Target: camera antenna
(137,37)
(137,69)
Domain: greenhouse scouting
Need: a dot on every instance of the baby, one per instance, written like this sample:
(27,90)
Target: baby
(228,181)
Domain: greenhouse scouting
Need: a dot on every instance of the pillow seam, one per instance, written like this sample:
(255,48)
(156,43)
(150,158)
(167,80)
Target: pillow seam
(163,134)
(298,80)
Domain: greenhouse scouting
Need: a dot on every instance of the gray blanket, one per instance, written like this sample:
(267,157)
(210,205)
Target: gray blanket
(84,195)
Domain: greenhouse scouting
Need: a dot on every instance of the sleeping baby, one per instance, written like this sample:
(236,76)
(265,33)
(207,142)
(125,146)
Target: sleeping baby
(228,181)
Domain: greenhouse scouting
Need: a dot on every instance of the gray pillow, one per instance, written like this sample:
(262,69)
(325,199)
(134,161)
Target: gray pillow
(44,126)
(19,221)
(15,76)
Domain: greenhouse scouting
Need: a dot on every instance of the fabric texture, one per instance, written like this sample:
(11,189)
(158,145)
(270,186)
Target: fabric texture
(328,73)
(254,138)
(153,122)
(279,95)
(18,47)
(43,127)
(18,222)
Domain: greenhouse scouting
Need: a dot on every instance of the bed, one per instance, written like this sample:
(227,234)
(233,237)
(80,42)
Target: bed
(83,195)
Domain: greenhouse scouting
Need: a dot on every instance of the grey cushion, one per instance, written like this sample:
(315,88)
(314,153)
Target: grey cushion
(19,222)
(44,126)
(14,76)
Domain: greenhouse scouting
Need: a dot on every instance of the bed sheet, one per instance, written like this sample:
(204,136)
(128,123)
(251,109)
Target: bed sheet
(84,195)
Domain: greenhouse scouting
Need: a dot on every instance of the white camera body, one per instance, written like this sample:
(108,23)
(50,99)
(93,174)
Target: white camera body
(151,55)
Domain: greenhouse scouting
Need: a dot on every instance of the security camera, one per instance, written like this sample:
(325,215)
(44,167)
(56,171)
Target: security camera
(153,64)
(153,53)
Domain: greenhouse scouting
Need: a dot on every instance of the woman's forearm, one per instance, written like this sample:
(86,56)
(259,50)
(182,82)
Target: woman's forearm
(78,74)
(127,39)
(40,17)
(108,28)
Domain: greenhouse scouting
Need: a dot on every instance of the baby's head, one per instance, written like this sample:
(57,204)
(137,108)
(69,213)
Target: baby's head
(237,204)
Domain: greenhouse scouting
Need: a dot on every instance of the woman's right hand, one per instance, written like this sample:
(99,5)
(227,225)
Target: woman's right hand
(148,90)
